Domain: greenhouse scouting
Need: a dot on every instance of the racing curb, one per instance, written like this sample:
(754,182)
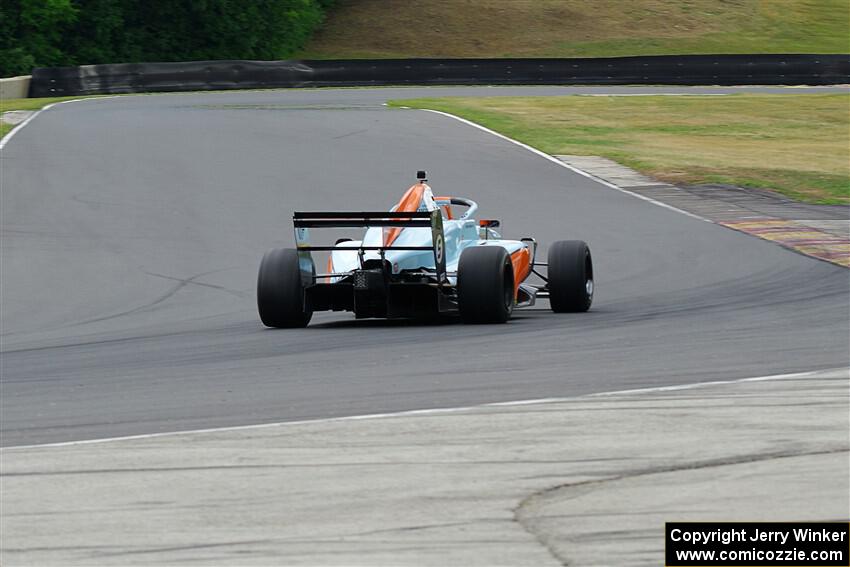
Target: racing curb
(822,232)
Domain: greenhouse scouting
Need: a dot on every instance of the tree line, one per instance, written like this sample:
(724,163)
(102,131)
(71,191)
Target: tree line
(48,33)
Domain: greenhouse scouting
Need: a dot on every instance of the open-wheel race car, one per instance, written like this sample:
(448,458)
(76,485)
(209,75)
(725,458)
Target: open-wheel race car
(419,260)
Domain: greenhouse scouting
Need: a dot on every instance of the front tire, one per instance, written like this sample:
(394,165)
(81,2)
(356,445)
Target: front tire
(280,290)
(570,276)
(485,285)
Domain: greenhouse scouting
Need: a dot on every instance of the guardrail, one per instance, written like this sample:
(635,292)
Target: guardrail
(796,69)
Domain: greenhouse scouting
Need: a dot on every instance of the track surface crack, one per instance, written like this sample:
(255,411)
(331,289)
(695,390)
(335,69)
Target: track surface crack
(527,522)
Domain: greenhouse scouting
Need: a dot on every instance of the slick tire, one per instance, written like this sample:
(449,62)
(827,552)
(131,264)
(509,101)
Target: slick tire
(280,290)
(485,285)
(570,276)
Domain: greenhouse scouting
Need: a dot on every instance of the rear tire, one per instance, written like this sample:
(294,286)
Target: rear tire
(570,276)
(485,285)
(280,290)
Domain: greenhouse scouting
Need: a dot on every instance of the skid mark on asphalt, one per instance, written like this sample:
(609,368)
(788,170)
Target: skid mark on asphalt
(183,282)
(350,134)
(187,281)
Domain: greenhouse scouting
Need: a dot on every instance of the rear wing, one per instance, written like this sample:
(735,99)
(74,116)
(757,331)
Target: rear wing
(303,221)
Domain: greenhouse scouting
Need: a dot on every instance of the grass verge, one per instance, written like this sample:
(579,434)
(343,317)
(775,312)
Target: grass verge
(26,104)
(578,28)
(798,145)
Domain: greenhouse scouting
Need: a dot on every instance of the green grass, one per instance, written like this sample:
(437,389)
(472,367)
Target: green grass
(31,103)
(798,145)
(26,104)
(579,28)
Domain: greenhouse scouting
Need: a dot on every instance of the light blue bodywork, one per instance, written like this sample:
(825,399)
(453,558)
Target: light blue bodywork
(459,233)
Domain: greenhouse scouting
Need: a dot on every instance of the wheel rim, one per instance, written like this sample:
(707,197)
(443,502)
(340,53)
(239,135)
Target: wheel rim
(588,287)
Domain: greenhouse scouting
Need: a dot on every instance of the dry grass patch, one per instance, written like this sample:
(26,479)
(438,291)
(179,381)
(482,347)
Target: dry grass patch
(795,144)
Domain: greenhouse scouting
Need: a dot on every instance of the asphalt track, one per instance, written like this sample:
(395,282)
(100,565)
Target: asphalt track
(132,229)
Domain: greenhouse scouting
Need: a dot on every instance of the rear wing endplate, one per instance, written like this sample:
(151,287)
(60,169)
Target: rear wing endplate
(303,221)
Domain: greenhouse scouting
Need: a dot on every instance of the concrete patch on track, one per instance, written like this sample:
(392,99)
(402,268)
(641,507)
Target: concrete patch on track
(534,484)
(817,231)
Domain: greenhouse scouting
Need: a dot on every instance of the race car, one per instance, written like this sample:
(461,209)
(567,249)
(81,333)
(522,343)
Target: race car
(420,259)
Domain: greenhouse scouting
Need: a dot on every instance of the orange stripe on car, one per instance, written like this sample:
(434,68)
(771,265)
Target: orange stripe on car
(446,208)
(409,203)
(330,265)
(521,260)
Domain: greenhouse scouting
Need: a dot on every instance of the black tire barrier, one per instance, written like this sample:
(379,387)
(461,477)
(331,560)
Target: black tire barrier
(796,69)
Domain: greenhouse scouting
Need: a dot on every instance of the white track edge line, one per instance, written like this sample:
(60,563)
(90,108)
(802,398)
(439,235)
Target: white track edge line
(542,154)
(19,127)
(565,165)
(420,412)
(13,131)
